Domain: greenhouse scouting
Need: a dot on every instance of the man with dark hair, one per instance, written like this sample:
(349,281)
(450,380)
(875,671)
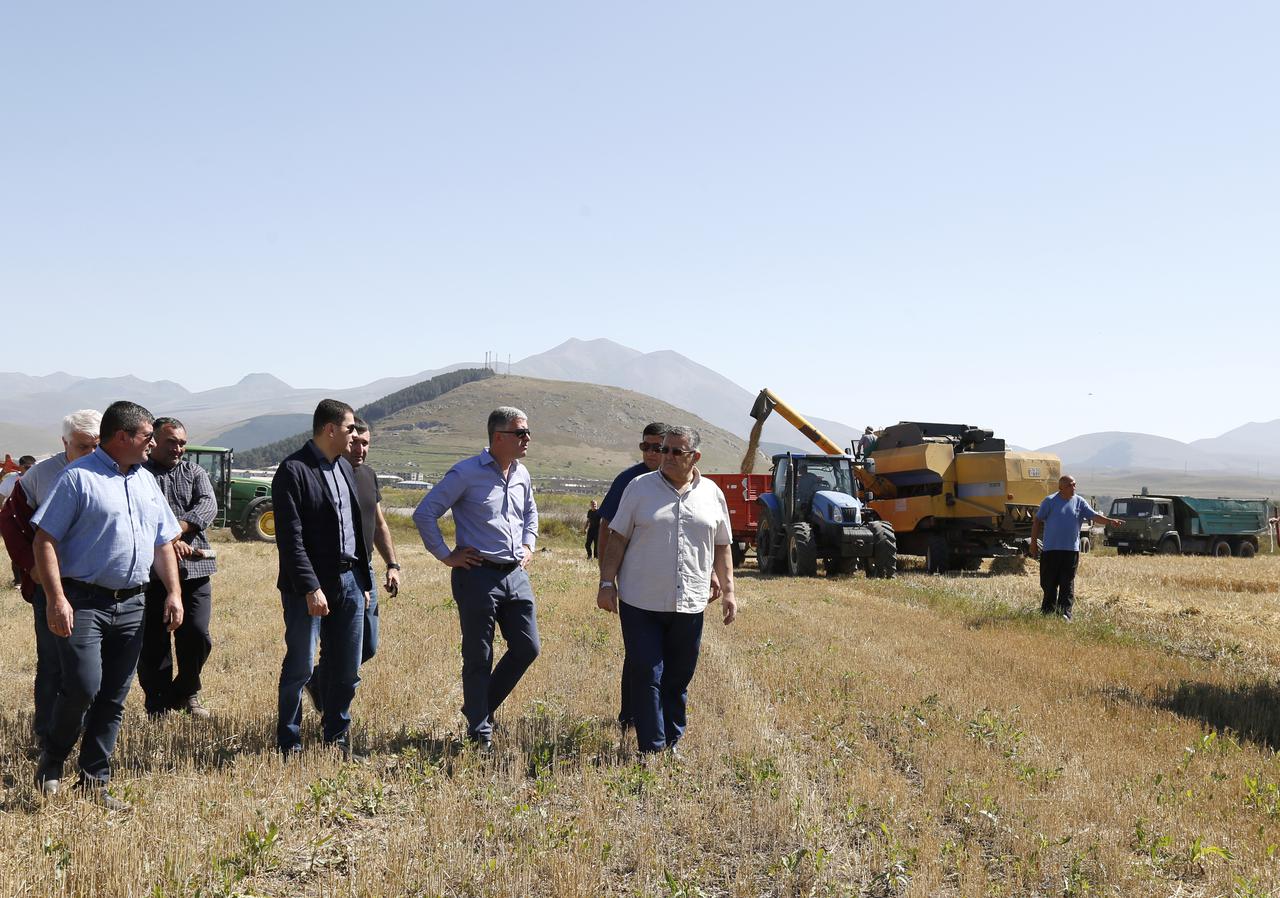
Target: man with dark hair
(102,532)
(79,438)
(651,458)
(377,535)
(187,489)
(491,495)
(1059,518)
(324,576)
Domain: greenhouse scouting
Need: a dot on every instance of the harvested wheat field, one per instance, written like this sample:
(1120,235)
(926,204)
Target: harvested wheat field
(926,736)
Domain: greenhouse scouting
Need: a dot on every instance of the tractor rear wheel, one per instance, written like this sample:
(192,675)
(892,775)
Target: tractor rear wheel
(802,552)
(884,551)
(262,522)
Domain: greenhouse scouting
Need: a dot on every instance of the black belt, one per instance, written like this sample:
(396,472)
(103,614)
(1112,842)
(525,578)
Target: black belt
(344,565)
(115,595)
(505,566)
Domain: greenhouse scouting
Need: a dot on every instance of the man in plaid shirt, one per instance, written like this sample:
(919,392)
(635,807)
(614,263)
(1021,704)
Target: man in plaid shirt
(190,494)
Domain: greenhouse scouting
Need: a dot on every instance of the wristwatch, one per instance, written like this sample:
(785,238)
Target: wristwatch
(607,584)
(392,566)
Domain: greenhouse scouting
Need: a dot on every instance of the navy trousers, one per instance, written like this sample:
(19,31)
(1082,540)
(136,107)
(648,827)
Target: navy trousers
(662,652)
(98,660)
(191,644)
(368,648)
(489,599)
(48,670)
(1058,580)
(341,634)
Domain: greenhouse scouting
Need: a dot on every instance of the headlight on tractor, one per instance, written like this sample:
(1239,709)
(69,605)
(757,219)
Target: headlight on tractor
(837,516)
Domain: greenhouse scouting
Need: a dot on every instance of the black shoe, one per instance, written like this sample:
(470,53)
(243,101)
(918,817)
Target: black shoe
(1066,616)
(482,744)
(48,775)
(292,753)
(193,707)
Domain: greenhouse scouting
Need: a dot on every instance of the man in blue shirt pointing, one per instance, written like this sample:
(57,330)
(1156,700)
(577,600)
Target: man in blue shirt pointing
(491,495)
(1059,517)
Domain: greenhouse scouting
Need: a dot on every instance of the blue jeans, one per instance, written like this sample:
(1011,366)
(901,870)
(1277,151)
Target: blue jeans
(662,654)
(341,634)
(368,647)
(489,598)
(98,660)
(48,669)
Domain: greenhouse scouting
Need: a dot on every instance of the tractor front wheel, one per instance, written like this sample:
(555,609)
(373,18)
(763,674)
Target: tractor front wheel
(802,552)
(262,523)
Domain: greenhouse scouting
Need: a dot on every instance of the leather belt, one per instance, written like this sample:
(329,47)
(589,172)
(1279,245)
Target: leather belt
(505,566)
(344,566)
(115,595)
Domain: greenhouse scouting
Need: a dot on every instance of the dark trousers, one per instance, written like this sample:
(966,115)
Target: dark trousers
(626,716)
(48,669)
(190,643)
(590,544)
(1058,580)
(368,647)
(98,660)
(341,634)
(662,648)
(489,598)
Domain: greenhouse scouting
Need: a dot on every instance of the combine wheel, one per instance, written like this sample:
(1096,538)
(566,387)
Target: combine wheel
(802,553)
(262,522)
(1248,549)
(884,551)
(1085,544)
(937,559)
(969,562)
(1221,549)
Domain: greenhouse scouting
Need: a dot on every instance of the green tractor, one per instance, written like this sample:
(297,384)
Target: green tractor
(244,503)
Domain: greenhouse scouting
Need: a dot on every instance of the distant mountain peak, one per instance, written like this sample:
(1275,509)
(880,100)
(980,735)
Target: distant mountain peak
(262,379)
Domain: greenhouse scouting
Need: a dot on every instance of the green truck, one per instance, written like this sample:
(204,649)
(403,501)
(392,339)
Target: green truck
(1177,525)
(244,503)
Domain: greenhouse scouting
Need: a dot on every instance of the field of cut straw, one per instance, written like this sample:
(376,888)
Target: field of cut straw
(925,736)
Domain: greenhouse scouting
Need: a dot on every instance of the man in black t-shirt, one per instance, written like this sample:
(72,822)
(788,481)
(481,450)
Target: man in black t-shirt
(377,535)
(593,529)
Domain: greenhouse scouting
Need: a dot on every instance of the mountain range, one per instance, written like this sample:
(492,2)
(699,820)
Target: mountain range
(261,408)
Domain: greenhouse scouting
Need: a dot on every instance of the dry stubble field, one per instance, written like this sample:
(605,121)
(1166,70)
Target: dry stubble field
(925,736)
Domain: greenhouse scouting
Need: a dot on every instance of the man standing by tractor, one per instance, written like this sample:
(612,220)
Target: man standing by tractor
(651,458)
(79,438)
(190,495)
(1059,517)
(377,535)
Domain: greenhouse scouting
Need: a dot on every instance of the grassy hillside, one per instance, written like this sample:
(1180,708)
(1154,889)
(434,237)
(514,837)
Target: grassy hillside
(579,430)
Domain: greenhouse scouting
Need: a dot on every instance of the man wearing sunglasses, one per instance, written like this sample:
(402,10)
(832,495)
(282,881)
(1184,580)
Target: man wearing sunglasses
(496,520)
(651,457)
(671,534)
(324,577)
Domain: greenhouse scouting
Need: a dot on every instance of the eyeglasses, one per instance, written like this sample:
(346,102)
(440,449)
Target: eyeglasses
(650,447)
(146,437)
(676,451)
(522,434)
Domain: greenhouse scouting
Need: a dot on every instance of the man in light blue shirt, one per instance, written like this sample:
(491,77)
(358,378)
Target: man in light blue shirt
(97,536)
(496,520)
(1059,517)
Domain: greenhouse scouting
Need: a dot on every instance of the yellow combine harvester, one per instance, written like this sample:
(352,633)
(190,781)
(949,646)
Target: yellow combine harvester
(953,493)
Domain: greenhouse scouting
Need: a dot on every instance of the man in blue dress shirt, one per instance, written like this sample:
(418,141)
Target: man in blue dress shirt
(491,496)
(1060,516)
(97,536)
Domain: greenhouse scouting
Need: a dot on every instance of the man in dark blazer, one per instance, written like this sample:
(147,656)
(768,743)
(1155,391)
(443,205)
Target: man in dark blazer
(324,575)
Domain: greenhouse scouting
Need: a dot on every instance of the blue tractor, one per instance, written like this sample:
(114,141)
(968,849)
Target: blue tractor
(812,514)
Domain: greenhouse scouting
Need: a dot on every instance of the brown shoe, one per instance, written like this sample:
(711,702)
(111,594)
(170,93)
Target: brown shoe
(193,707)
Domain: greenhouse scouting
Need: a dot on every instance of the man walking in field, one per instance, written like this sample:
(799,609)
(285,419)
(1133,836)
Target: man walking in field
(491,495)
(1059,518)
(79,438)
(104,530)
(324,576)
(650,459)
(377,535)
(670,533)
(187,489)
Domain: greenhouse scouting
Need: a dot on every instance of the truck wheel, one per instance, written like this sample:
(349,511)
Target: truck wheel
(1085,544)
(739,553)
(1221,549)
(262,522)
(1169,546)
(1248,549)
(802,553)
(937,558)
(768,558)
(884,551)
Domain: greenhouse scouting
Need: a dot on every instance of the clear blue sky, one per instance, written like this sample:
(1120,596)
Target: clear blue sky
(1045,218)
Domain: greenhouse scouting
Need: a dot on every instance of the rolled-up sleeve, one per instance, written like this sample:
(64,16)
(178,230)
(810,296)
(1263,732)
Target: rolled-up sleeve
(433,506)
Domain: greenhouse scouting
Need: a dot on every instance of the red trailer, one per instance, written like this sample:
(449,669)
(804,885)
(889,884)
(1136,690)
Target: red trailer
(741,491)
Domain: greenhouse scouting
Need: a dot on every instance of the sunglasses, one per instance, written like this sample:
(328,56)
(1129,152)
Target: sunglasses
(676,451)
(650,447)
(522,434)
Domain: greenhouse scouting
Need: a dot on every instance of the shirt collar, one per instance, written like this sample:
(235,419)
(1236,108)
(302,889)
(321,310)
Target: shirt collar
(487,459)
(320,455)
(109,463)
